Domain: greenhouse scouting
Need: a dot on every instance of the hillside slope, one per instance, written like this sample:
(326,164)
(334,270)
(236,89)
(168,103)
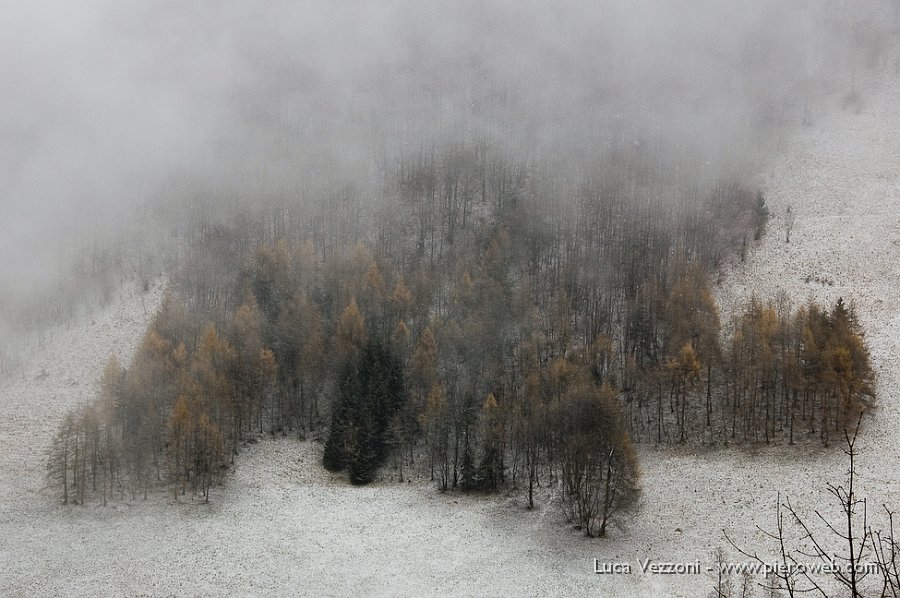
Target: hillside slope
(282,526)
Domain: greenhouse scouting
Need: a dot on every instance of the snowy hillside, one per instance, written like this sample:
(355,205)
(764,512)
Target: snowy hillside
(282,526)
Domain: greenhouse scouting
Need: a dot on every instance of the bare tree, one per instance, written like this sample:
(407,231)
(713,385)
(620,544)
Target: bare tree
(846,552)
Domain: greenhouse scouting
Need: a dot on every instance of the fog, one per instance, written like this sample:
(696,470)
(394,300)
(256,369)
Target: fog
(114,114)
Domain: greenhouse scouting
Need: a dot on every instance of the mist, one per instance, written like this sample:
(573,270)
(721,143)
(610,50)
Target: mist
(534,284)
(118,115)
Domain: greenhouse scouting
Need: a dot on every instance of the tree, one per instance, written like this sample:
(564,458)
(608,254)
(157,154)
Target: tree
(788,224)
(488,476)
(401,299)
(209,455)
(181,431)
(373,297)
(371,396)
(350,335)
(685,371)
(599,470)
(691,320)
(271,283)
(246,336)
(530,430)
(341,435)
(760,216)
(436,421)
(423,374)
(59,457)
(850,542)
(299,348)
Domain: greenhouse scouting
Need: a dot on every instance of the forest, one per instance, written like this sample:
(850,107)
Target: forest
(433,298)
(487,321)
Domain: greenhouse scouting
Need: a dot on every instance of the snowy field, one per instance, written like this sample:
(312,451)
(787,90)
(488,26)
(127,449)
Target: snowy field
(283,526)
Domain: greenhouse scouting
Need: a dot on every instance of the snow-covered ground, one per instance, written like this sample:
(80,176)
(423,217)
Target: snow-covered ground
(60,377)
(283,526)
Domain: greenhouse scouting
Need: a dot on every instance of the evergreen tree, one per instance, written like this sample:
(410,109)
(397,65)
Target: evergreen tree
(371,395)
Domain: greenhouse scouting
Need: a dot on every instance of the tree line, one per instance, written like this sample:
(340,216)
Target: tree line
(491,323)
